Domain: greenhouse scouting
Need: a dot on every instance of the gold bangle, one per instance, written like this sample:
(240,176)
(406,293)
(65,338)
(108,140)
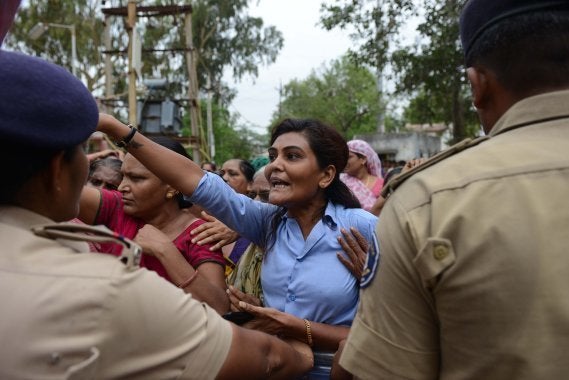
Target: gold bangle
(308,332)
(186,283)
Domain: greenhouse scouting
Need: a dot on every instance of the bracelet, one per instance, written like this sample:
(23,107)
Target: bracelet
(186,283)
(308,332)
(126,141)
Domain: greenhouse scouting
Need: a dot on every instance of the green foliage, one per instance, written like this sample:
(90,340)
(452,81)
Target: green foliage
(433,72)
(342,95)
(430,73)
(231,139)
(374,24)
(55,44)
(224,36)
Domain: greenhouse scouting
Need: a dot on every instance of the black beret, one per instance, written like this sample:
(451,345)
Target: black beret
(42,105)
(479,15)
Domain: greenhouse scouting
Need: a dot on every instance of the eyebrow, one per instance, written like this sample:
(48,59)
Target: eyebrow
(288,148)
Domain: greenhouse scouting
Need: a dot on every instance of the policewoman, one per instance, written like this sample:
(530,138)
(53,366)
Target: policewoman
(71,314)
(473,274)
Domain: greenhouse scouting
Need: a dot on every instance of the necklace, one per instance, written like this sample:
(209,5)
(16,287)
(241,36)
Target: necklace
(367,180)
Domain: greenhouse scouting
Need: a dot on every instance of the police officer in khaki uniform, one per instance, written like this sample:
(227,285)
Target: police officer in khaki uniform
(71,314)
(473,272)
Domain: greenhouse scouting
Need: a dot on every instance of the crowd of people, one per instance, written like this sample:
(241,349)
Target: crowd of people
(137,262)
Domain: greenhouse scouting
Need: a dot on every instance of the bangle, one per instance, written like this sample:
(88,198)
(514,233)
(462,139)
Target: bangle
(308,332)
(186,283)
(125,142)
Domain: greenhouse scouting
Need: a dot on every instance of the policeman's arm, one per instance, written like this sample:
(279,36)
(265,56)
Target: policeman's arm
(89,204)
(255,355)
(163,162)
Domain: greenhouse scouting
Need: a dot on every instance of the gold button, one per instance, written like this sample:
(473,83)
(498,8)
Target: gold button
(440,252)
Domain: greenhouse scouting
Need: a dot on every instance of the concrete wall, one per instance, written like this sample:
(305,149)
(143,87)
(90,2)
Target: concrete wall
(403,146)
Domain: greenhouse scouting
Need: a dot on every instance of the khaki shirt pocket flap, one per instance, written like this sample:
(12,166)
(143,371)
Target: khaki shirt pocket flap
(435,257)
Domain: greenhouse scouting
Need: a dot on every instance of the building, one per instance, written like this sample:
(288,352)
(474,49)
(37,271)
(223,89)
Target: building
(419,141)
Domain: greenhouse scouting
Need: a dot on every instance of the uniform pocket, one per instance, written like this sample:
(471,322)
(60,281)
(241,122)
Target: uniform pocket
(434,258)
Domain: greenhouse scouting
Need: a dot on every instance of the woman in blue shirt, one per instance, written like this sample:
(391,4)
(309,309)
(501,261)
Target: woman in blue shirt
(309,294)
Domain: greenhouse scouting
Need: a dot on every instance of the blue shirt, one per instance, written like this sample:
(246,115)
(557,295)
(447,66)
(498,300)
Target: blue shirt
(300,277)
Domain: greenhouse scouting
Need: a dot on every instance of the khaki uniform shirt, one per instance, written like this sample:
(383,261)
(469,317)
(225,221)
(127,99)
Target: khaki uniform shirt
(473,275)
(66,314)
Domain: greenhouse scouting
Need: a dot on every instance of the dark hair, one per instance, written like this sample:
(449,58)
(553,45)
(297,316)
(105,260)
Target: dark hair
(211,163)
(330,148)
(392,173)
(527,52)
(247,169)
(30,161)
(177,147)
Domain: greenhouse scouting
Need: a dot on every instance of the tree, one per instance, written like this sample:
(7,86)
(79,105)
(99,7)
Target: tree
(374,25)
(55,44)
(224,36)
(342,94)
(433,72)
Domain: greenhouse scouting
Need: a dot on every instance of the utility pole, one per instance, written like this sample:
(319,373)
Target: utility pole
(130,24)
(280,88)
(191,63)
(379,67)
(210,136)
(108,62)
(131,12)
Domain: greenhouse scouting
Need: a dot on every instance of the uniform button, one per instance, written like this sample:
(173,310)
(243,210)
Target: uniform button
(440,252)
(292,297)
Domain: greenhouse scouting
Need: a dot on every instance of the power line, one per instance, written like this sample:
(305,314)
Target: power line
(249,122)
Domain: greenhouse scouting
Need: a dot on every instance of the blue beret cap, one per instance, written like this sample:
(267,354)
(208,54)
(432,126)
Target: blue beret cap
(479,15)
(42,105)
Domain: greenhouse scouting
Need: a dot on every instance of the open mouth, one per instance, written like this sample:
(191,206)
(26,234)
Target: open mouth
(277,184)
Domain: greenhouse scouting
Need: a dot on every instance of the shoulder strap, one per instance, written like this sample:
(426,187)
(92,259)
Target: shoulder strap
(395,182)
(131,252)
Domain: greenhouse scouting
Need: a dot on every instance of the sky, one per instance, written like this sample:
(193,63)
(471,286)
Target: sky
(307,46)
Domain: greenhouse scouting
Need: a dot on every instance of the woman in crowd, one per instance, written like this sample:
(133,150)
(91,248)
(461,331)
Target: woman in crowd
(246,276)
(362,174)
(156,216)
(105,173)
(209,166)
(308,292)
(238,174)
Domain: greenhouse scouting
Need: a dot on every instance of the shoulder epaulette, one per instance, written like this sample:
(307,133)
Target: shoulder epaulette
(131,252)
(395,182)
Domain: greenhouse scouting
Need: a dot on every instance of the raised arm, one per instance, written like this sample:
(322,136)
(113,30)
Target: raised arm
(161,161)
(89,204)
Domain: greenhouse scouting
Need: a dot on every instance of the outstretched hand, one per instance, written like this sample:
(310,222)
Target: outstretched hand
(267,320)
(355,246)
(236,296)
(214,232)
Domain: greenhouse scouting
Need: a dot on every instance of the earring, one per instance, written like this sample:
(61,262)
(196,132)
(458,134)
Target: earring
(169,195)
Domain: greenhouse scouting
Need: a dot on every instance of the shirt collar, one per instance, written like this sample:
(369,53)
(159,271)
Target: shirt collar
(532,110)
(329,218)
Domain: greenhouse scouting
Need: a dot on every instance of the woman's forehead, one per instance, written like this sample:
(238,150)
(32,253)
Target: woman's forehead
(291,139)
